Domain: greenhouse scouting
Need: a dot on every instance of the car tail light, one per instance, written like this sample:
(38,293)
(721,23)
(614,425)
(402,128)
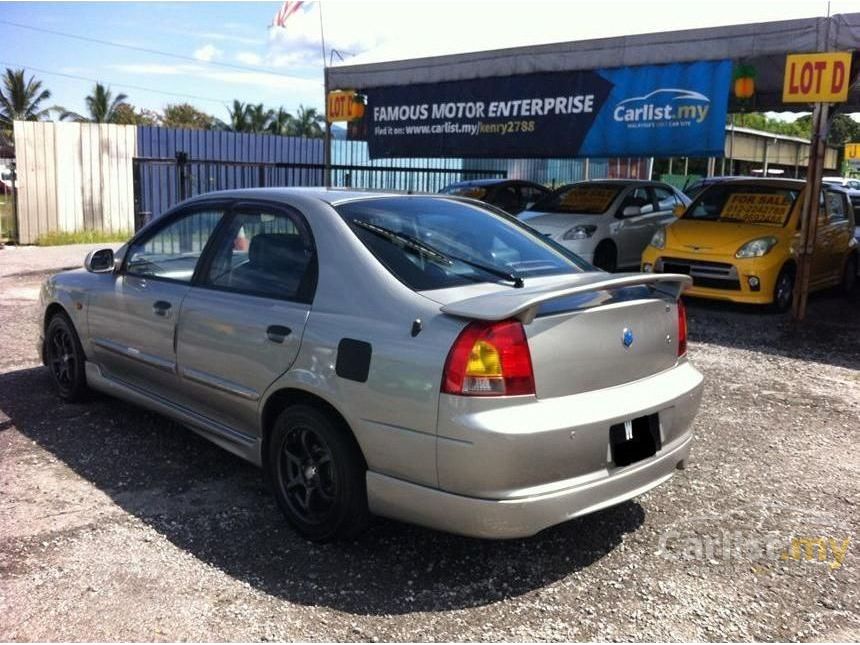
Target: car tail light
(682,328)
(489,359)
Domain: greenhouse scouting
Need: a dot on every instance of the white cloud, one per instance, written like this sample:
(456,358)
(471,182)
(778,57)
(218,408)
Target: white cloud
(207,53)
(263,80)
(249,58)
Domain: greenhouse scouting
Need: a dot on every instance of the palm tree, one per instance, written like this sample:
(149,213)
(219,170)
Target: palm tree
(258,118)
(282,123)
(101,106)
(20,99)
(309,122)
(238,116)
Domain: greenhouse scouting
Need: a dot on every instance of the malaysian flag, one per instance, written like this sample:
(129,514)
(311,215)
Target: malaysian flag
(288,9)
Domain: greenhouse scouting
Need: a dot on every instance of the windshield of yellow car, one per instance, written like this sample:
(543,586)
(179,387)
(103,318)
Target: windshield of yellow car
(586,198)
(744,204)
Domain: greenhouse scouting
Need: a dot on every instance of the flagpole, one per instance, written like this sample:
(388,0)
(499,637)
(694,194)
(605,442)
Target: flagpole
(327,133)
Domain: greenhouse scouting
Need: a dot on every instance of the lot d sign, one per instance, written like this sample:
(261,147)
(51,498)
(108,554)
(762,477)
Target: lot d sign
(344,106)
(816,78)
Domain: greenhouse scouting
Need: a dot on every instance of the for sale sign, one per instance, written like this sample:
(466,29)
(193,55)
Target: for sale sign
(816,78)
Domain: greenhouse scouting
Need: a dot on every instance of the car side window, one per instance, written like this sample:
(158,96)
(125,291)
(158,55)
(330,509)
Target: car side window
(172,252)
(836,207)
(666,199)
(267,253)
(530,196)
(508,199)
(640,198)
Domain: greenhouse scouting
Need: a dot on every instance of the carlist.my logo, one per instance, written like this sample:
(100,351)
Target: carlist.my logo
(664,106)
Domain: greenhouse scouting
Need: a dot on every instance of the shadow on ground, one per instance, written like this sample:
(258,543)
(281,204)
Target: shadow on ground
(829,334)
(216,507)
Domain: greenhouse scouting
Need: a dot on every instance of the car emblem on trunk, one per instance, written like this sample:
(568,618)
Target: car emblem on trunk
(627,337)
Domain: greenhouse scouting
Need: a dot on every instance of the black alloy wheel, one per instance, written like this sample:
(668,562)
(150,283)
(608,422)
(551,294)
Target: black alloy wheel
(65,359)
(317,473)
(783,291)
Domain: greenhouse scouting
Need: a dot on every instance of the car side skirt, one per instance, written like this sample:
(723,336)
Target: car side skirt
(239,443)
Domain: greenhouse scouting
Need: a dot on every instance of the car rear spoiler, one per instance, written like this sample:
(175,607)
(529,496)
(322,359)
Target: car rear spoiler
(523,303)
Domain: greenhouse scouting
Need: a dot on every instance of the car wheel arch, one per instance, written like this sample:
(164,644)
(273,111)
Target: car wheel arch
(284,398)
(51,311)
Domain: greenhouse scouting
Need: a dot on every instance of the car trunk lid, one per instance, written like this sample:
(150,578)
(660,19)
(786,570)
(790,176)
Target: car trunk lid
(588,331)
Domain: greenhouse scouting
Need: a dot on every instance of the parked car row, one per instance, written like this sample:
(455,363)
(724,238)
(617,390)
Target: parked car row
(431,358)
(736,237)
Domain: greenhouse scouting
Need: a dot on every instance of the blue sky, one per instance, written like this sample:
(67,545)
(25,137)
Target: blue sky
(284,67)
(279,73)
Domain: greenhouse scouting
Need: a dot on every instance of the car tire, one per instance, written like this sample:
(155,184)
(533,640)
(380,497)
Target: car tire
(318,474)
(605,257)
(849,275)
(65,359)
(783,290)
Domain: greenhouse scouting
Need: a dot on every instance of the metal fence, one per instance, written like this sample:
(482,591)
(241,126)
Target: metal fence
(159,182)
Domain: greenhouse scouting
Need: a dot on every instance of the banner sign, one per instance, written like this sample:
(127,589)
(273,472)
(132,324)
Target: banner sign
(655,110)
(813,78)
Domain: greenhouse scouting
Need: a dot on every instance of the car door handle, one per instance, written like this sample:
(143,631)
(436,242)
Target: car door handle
(161,308)
(277,333)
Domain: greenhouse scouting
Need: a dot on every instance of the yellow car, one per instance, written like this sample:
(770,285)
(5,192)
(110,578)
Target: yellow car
(738,240)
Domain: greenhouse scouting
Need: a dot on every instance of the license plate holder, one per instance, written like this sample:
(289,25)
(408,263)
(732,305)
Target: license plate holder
(635,440)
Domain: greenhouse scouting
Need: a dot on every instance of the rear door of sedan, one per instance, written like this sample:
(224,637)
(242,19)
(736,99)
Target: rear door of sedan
(242,321)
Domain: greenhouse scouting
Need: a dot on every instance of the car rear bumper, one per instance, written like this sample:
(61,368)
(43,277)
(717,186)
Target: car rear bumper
(515,518)
(512,471)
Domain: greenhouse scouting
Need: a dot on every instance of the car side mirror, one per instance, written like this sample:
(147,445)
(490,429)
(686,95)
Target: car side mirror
(631,211)
(679,210)
(100,261)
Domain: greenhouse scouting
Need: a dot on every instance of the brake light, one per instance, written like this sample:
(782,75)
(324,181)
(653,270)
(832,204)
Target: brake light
(682,328)
(489,359)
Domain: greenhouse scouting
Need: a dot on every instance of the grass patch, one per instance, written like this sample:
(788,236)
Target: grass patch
(7,218)
(58,238)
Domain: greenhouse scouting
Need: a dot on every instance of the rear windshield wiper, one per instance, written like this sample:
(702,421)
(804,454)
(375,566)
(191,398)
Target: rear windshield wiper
(409,242)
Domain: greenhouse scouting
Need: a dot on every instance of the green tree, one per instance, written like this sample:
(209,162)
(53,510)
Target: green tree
(185,115)
(309,122)
(238,117)
(20,99)
(282,123)
(101,105)
(125,114)
(258,118)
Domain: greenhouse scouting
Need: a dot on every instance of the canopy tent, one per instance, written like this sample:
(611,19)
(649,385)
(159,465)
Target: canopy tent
(762,46)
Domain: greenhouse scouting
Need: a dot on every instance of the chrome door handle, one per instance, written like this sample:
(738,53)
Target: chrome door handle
(161,308)
(277,333)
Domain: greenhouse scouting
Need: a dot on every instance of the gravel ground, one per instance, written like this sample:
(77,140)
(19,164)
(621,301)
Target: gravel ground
(116,524)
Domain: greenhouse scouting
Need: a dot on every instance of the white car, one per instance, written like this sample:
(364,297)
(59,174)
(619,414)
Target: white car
(608,222)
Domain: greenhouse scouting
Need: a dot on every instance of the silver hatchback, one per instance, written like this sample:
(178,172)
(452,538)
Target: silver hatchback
(608,222)
(423,358)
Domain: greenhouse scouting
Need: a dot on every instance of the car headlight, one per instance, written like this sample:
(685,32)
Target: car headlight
(757,247)
(658,240)
(579,232)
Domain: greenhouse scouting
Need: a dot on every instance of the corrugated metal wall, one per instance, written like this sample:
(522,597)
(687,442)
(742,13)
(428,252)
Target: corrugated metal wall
(159,183)
(73,176)
(96,177)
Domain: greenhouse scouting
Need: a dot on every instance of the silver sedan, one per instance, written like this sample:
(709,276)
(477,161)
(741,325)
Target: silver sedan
(423,358)
(607,222)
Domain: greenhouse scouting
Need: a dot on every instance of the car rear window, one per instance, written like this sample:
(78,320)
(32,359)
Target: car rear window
(745,203)
(588,199)
(435,243)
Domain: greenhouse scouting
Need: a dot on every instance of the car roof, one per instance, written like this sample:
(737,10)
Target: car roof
(767,181)
(328,195)
(490,182)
